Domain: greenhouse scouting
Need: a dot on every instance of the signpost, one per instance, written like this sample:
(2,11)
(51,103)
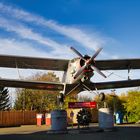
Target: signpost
(82,104)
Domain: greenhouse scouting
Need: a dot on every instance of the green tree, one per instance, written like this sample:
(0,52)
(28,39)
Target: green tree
(69,99)
(4,99)
(39,100)
(132,105)
(114,102)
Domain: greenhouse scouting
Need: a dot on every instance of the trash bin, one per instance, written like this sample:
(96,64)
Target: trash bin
(48,119)
(119,117)
(39,119)
(59,120)
(105,118)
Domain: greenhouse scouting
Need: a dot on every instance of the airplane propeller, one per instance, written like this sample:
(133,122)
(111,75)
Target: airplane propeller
(96,53)
(87,62)
(98,71)
(80,71)
(79,54)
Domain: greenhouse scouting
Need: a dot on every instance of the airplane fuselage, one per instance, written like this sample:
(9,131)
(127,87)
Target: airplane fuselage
(73,66)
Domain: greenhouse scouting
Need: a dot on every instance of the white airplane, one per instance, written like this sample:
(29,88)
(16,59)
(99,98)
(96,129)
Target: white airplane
(77,72)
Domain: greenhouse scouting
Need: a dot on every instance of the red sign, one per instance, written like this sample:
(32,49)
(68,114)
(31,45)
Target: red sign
(82,104)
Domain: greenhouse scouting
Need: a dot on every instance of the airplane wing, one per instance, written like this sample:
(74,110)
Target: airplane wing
(42,85)
(118,64)
(33,63)
(24,62)
(114,84)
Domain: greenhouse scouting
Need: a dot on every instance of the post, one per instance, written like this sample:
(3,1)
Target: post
(114,103)
(114,99)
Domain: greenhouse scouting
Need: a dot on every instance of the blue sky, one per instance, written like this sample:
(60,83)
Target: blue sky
(113,24)
(46,28)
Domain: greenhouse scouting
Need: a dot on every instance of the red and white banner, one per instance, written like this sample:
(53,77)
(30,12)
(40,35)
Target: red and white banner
(82,104)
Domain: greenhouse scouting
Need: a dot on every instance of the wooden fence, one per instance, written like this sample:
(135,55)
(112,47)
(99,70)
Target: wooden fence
(16,118)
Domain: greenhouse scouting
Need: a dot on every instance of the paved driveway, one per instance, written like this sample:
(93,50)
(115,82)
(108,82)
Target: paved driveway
(125,132)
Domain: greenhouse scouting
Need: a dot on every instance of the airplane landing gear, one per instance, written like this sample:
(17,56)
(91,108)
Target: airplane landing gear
(60,99)
(102,96)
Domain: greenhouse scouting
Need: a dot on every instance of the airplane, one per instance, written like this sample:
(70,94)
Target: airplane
(77,72)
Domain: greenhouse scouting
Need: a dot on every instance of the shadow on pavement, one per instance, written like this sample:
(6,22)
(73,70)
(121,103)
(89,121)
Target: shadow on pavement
(120,133)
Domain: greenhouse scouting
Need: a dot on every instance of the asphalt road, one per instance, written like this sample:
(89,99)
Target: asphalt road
(121,132)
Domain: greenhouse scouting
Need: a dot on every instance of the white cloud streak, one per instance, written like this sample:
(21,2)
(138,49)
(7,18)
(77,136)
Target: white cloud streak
(76,34)
(86,40)
(14,47)
(27,33)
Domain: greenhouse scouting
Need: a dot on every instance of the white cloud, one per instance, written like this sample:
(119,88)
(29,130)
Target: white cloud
(85,39)
(14,47)
(76,34)
(24,48)
(27,33)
